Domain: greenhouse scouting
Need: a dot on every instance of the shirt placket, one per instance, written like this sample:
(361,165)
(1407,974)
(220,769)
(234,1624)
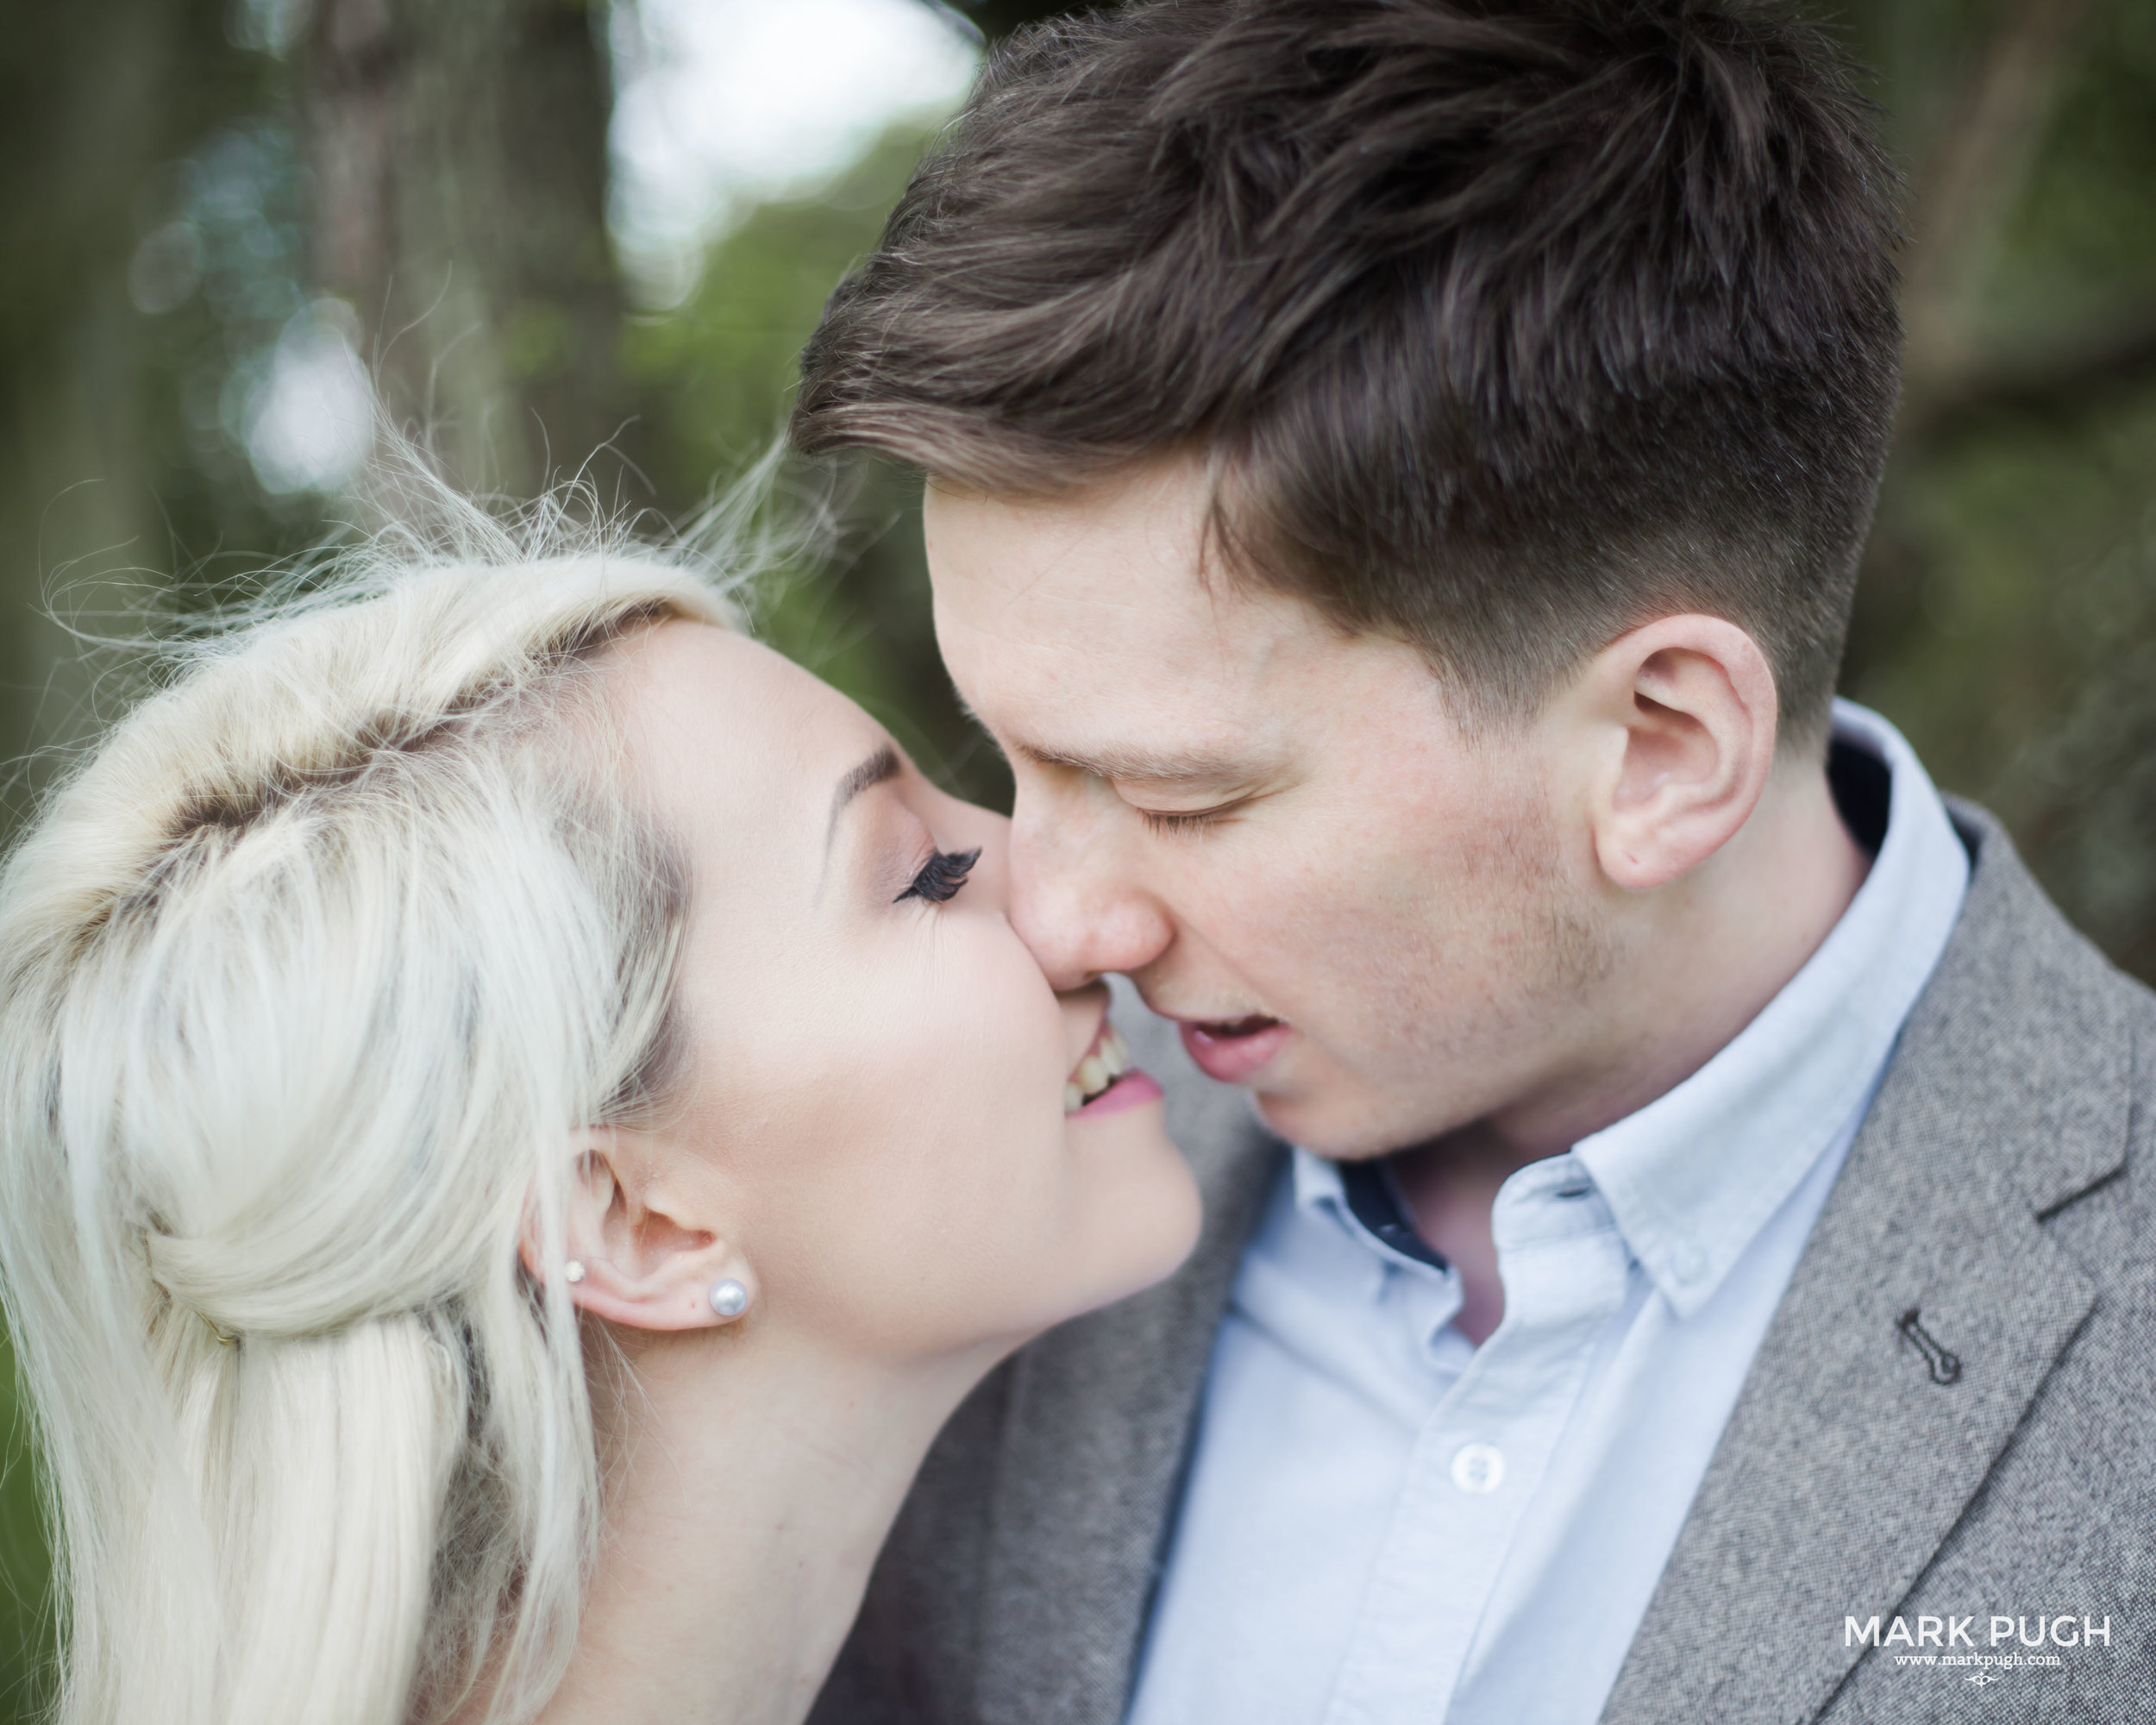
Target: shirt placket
(1480,1455)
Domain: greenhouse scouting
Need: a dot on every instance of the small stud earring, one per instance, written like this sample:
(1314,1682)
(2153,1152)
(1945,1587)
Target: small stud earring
(729,1298)
(573,1270)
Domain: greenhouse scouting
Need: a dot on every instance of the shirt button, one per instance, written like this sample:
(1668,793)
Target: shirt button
(1478,1469)
(1688,1262)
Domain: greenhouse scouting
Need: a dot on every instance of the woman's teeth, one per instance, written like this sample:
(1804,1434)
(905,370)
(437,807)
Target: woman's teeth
(1107,1060)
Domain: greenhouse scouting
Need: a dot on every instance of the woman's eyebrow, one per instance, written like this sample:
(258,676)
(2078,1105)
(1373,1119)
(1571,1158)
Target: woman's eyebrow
(879,766)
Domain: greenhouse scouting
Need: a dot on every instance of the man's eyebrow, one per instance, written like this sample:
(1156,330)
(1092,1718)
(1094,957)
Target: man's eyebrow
(1137,765)
(879,766)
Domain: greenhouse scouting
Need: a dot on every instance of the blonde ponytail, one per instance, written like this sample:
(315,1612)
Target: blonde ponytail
(307,977)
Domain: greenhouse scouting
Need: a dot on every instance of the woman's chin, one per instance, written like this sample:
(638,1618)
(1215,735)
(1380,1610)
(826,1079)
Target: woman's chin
(1150,1213)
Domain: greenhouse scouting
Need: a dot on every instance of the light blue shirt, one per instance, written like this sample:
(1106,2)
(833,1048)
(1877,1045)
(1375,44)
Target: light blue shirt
(1384,1523)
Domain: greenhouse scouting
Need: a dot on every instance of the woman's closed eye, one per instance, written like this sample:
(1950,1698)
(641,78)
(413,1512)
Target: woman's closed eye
(941,876)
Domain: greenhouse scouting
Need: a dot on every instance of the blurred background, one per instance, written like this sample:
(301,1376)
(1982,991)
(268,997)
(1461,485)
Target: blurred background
(581,238)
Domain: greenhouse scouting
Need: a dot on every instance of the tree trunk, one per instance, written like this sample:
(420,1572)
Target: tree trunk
(460,154)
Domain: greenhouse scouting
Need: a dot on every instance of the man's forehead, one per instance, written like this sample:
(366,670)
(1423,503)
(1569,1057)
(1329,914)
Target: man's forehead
(1127,551)
(1134,707)
(1083,633)
(1105,623)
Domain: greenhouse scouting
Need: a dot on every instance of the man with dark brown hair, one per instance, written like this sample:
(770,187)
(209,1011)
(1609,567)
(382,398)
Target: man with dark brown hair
(1396,474)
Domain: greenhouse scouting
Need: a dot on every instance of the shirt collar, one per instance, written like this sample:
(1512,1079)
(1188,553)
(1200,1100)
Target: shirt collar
(1362,1199)
(1692,1178)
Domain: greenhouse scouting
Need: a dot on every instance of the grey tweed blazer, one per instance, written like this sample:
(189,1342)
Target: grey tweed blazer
(2001,1188)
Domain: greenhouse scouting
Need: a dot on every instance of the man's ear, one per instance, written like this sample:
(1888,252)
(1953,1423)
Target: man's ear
(1685,711)
(635,1256)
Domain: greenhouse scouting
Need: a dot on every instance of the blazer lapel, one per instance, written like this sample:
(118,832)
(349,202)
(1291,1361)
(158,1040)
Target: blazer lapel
(1863,1432)
(1097,1426)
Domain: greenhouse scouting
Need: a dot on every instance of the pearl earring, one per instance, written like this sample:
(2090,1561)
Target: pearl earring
(729,1298)
(573,1270)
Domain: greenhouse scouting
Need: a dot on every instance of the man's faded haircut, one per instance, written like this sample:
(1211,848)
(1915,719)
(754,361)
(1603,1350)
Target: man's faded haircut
(1502,326)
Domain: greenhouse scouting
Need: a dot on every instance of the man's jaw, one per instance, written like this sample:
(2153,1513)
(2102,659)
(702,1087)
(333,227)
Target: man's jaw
(1233,1051)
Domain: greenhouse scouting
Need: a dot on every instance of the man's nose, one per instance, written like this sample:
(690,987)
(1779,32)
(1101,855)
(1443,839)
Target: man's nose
(1076,903)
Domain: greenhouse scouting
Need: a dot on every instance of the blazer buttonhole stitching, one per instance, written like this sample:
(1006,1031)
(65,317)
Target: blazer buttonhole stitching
(1944,1365)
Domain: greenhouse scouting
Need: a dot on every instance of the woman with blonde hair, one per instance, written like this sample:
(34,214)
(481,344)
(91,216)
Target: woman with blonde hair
(520,1115)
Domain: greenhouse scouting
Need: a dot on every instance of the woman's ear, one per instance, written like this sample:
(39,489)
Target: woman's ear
(1687,710)
(636,1254)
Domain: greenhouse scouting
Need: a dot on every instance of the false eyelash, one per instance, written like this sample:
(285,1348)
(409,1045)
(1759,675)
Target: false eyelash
(941,876)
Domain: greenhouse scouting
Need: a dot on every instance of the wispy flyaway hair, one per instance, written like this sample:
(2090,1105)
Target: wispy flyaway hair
(309,974)
(1503,325)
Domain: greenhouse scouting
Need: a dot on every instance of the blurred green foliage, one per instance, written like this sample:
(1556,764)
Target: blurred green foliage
(2007,615)
(159,243)
(719,374)
(150,165)
(26,1639)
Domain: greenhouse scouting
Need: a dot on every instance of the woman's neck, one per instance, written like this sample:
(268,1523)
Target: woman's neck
(748,1496)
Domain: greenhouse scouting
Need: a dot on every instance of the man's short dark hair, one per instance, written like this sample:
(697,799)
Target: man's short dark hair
(1504,325)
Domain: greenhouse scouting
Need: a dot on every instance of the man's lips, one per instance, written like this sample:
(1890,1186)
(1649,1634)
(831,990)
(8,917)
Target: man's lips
(1233,1051)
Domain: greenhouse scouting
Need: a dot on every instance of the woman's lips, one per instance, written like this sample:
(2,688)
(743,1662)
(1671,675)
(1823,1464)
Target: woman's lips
(1104,1082)
(1233,1051)
(1134,1089)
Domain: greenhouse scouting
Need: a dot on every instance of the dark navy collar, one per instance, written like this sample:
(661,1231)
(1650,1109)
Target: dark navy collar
(1373,1199)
